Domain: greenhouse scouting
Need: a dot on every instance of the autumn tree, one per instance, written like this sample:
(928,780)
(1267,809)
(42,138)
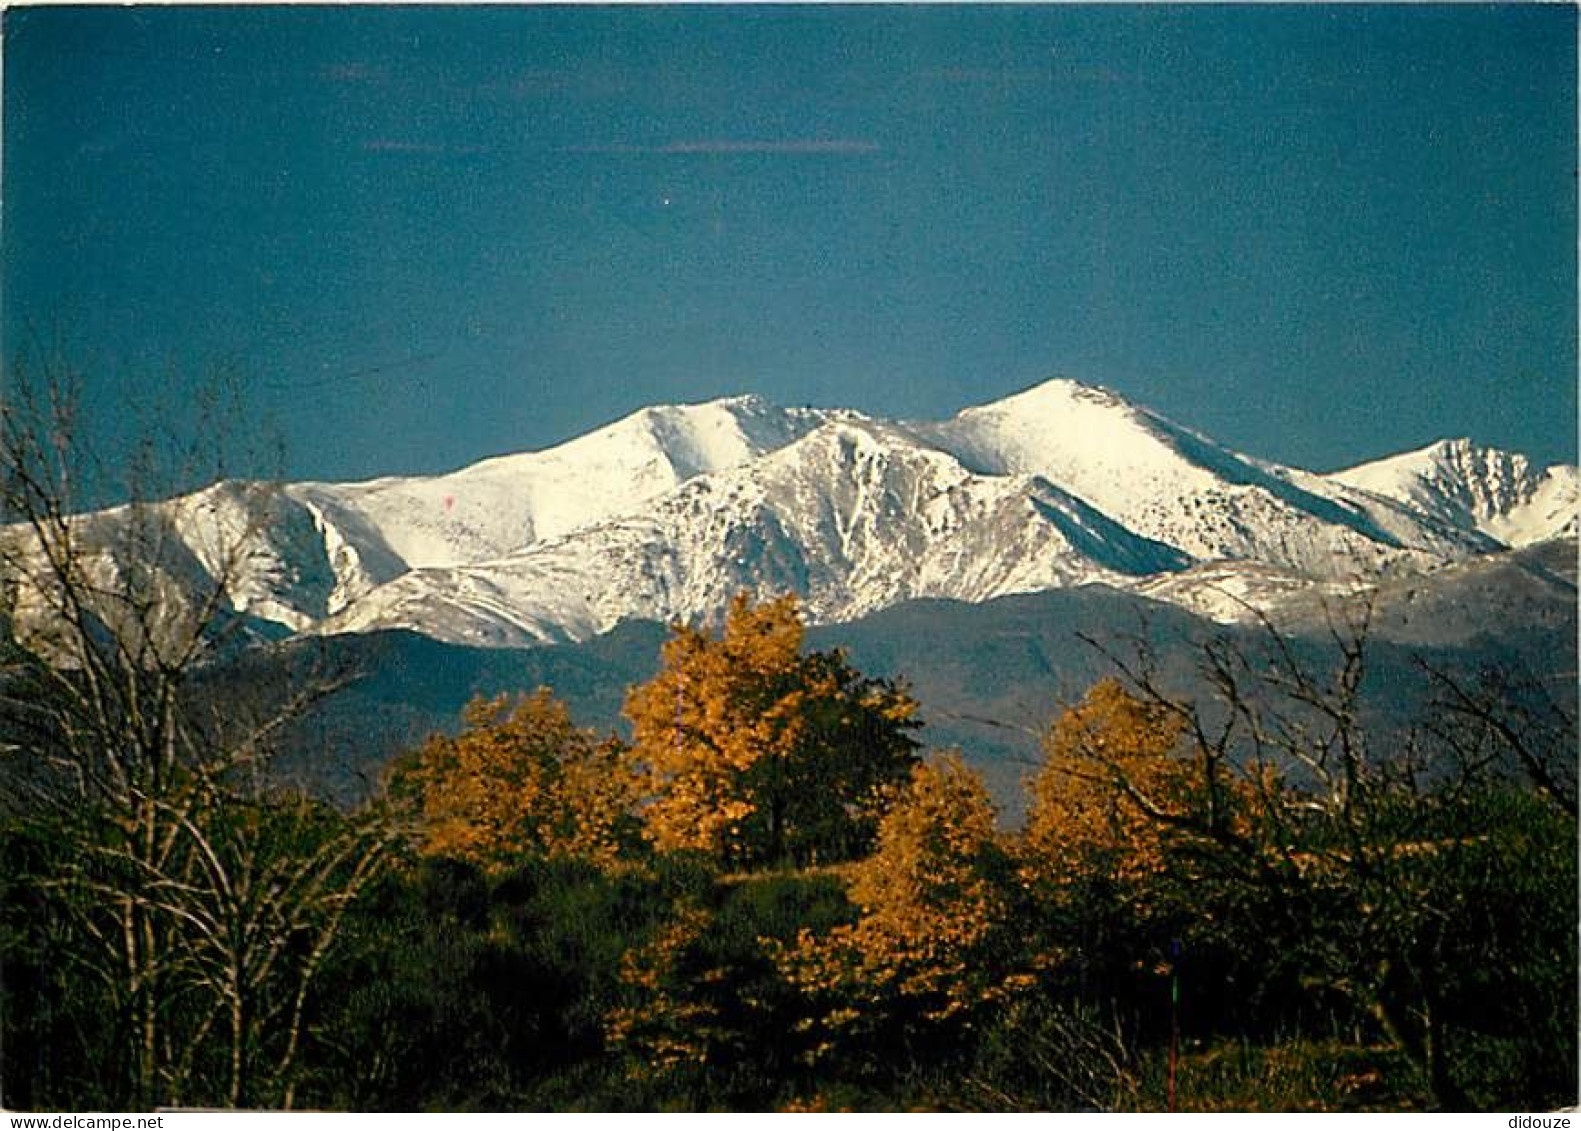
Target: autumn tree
(757,752)
(1108,770)
(934,939)
(521,778)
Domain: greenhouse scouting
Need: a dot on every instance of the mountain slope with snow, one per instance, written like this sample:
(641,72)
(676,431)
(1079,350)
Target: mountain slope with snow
(1495,493)
(1169,483)
(374,532)
(855,516)
(671,510)
(501,505)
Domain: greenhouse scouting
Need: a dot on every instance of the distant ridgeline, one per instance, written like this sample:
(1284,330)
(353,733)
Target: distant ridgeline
(668,513)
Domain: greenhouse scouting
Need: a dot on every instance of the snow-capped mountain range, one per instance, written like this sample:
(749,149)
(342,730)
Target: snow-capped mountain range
(670,511)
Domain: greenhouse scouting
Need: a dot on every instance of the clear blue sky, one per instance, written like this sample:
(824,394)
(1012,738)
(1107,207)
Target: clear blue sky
(1320,234)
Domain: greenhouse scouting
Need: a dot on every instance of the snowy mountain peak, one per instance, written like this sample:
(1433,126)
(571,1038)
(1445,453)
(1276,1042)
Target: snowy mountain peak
(1055,409)
(715,435)
(1497,493)
(1451,462)
(1053,395)
(1160,479)
(671,509)
(1453,447)
(502,505)
(1060,427)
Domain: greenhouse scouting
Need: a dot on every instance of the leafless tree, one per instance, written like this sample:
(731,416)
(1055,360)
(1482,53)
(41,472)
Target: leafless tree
(1302,798)
(198,900)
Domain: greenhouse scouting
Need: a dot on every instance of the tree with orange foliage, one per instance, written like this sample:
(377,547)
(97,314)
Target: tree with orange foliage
(1135,824)
(520,778)
(934,939)
(1109,778)
(759,753)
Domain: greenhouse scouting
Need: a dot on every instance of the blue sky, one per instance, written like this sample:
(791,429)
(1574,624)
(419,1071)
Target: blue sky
(428,235)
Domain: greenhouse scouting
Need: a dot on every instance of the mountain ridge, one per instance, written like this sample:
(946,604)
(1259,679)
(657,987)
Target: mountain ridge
(669,511)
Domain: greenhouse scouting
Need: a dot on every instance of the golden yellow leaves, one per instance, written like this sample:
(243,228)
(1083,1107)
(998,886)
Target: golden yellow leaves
(709,716)
(668,1029)
(1132,796)
(520,778)
(930,846)
(1109,775)
(931,908)
(756,753)
(746,749)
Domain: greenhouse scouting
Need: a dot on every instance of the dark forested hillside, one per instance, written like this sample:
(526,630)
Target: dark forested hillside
(989,676)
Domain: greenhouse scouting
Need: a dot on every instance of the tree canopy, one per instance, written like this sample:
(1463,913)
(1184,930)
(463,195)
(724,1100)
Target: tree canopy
(757,752)
(520,778)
